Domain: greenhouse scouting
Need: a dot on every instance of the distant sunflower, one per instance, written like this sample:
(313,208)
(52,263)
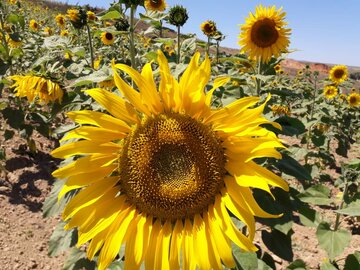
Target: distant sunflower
(155,5)
(264,34)
(338,74)
(60,20)
(48,31)
(34,25)
(107,38)
(36,88)
(107,84)
(354,99)
(13,43)
(91,16)
(277,68)
(64,33)
(330,91)
(164,172)
(300,72)
(208,28)
(73,15)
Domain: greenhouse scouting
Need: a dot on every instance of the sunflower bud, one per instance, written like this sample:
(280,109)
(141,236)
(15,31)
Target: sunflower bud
(122,24)
(178,15)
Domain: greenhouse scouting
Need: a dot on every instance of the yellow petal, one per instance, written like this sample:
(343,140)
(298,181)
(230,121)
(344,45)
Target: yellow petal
(94,134)
(150,256)
(131,94)
(200,243)
(115,238)
(85,147)
(115,105)
(175,247)
(88,196)
(99,119)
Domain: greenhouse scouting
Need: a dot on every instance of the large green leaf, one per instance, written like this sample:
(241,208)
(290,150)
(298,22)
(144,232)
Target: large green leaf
(111,15)
(291,126)
(309,217)
(77,260)
(317,194)
(333,242)
(292,167)
(297,265)
(327,266)
(352,261)
(278,243)
(352,209)
(245,260)
(61,240)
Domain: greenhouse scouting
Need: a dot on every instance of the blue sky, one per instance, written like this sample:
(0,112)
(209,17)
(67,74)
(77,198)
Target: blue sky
(325,31)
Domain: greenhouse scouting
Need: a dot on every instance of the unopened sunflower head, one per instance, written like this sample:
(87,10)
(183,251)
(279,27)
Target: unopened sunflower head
(208,28)
(338,74)
(178,15)
(122,24)
(163,173)
(264,34)
(37,88)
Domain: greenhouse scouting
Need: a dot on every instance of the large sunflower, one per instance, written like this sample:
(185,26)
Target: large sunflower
(107,38)
(163,173)
(155,5)
(338,74)
(208,28)
(37,88)
(264,34)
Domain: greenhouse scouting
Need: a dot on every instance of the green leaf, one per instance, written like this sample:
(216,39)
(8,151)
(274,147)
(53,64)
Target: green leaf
(51,206)
(327,266)
(309,217)
(297,265)
(352,261)
(245,260)
(77,260)
(61,240)
(292,167)
(111,15)
(8,134)
(117,265)
(318,140)
(352,209)
(291,126)
(278,243)
(333,242)
(317,194)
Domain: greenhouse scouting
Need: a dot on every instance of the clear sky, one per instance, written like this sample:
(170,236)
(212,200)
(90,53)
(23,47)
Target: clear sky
(326,31)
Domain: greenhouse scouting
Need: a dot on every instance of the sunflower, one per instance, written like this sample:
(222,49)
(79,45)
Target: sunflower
(354,99)
(280,110)
(64,33)
(91,16)
(208,28)
(34,25)
(155,5)
(338,74)
(60,20)
(264,34)
(73,14)
(107,84)
(330,91)
(48,31)
(107,38)
(163,172)
(13,43)
(37,88)
(277,68)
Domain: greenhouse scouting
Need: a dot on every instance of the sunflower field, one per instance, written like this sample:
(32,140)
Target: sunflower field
(173,153)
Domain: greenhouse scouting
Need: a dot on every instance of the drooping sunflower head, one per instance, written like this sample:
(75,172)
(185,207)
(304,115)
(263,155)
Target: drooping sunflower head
(107,38)
(37,88)
(338,74)
(91,16)
(208,28)
(155,5)
(330,91)
(162,172)
(122,24)
(60,20)
(34,25)
(264,34)
(48,31)
(178,15)
(354,100)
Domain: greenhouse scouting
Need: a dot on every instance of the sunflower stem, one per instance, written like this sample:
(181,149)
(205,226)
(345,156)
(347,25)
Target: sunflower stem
(90,46)
(337,220)
(208,46)
(178,44)
(311,117)
(258,86)
(132,30)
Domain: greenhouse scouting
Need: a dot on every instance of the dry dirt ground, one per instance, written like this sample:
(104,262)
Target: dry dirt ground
(24,233)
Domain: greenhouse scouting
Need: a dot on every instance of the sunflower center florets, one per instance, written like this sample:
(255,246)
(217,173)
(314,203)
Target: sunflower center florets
(156,3)
(339,73)
(264,33)
(108,36)
(174,166)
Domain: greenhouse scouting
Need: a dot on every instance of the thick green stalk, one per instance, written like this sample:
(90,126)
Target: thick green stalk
(132,30)
(337,221)
(178,44)
(208,46)
(90,46)
(311,117)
